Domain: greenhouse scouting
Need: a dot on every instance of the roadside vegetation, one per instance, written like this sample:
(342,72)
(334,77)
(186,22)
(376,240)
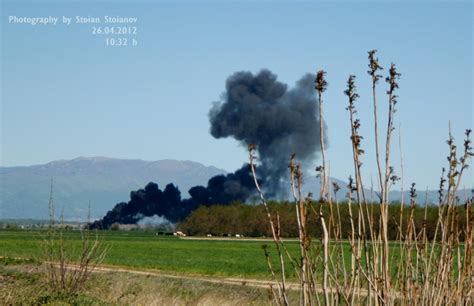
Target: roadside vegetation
(68,265)
(423,267)
(25,284)
(58,270)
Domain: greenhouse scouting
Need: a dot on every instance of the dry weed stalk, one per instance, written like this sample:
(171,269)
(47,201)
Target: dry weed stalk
(296,182)
(68,268)
(282,297)
(321,86)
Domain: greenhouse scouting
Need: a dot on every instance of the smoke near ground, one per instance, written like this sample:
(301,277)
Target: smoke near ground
(255,109)
(261,110)
(167,203)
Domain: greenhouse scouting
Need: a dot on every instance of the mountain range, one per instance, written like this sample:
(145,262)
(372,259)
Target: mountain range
(104,182)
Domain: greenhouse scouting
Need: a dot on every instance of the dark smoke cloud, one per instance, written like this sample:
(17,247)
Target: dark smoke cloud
(167,203)
(255,109)
(259,109)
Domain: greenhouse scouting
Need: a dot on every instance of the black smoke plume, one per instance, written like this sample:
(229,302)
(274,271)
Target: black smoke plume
(255,109)
(150,201)
(260,110)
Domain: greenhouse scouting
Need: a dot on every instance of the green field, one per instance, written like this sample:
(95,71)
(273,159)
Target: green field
(143,250)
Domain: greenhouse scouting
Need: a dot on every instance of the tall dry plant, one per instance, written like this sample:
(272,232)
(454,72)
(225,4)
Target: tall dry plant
(281,296)
(321,86)
(68,266)
(362,266)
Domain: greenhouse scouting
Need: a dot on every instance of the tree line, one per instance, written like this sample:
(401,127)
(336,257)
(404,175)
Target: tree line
(245,219)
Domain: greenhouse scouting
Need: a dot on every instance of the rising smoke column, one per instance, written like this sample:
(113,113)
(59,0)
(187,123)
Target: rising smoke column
(255,109)
(259,109)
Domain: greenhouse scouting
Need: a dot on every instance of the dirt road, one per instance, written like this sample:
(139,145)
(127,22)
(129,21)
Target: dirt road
(215,280)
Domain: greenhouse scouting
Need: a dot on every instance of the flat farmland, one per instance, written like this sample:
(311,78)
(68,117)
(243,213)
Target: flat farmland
(144,250)
(139,250)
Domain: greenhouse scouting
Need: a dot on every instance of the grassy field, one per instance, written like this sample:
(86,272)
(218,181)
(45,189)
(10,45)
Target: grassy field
(23,281)
(144,250)
(180,263)
(25,284)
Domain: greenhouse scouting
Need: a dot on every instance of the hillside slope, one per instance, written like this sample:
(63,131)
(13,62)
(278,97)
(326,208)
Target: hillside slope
(24,191)
(100,180)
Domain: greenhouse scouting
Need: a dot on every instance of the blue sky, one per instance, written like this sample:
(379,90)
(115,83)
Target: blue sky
(66,94)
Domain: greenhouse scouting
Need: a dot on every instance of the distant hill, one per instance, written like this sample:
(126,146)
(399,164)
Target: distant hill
(24,191)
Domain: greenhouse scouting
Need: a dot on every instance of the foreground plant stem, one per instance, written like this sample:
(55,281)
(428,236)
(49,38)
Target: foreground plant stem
(282,294)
